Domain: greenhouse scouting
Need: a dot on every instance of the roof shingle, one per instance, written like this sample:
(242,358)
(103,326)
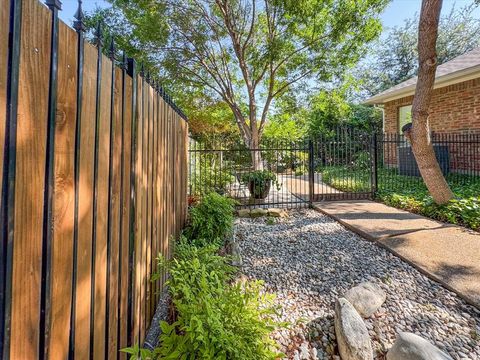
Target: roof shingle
(463,62)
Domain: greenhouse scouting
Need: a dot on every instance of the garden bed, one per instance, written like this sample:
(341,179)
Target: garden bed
(409,193)
(309,260)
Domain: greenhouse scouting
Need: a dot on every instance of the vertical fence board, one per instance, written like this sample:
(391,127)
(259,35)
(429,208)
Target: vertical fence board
(62,243)
(101,212)
(155,195)
(85,213)
(115,216)
(125,231)
(30,168)
(174,172)
(144,207)
(149,207)
(171,159)
(139,209)
(168,175)
(162,178)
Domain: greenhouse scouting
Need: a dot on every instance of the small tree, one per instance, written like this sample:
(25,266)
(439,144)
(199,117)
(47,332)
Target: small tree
(419,135)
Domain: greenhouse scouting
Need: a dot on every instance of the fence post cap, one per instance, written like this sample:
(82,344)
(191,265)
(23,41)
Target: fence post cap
(78,24)
(54,4)
(99,35)
(111,50)
(131,66)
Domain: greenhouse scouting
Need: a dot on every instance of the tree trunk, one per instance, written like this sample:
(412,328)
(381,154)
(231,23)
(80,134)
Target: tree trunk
(255,153)
(419,135)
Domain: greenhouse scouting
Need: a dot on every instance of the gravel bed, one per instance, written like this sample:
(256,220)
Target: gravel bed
(309,260)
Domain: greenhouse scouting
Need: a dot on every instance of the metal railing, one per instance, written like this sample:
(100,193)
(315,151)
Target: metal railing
(344,164)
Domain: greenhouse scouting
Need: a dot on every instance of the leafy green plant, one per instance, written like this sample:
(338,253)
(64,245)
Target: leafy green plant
(259,182)
(210,174)
(211,220)
(216,318)
(137,352)
(362,160)
(271,220)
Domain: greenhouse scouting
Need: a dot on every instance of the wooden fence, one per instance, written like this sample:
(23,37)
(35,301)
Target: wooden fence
(93,158)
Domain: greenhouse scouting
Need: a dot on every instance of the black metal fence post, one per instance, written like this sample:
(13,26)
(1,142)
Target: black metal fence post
(374,160)
(311,172)
(7,210)
(45,301)
(80,28)
(121,280)
(132,71)
(113,130)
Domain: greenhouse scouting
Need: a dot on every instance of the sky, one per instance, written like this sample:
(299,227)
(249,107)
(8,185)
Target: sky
(395,13)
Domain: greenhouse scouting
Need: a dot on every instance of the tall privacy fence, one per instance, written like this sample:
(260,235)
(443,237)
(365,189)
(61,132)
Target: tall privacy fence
(343,164)
(93,157)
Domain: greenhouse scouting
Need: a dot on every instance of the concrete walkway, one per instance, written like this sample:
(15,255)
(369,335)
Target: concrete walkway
(446,253)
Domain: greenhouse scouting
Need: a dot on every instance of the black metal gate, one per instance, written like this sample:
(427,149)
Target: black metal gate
(336,166)
(344,166)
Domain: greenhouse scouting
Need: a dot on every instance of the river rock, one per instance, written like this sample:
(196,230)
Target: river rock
(409,346)
(352,335)
(366,298)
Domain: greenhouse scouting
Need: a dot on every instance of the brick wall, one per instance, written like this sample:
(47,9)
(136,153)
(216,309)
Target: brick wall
(454,109)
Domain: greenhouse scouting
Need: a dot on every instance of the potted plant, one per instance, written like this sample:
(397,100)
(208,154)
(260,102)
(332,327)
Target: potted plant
(259,182)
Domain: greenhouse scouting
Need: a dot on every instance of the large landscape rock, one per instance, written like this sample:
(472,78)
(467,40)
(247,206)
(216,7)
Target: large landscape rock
(366,298)
(274,212)
(352,335)
(244,213)
(409,346)
(258,212)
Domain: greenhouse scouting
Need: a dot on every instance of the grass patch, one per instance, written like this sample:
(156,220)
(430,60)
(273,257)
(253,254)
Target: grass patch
(410,193)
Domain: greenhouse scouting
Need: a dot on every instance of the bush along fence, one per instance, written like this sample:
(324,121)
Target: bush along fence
(215,313)
(93,155)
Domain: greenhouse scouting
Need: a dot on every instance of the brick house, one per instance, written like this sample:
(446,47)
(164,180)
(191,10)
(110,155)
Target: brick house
(454,109)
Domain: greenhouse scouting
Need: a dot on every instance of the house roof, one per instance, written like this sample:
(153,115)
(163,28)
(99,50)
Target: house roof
(459,69)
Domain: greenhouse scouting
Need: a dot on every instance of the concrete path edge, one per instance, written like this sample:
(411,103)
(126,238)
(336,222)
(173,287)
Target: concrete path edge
(421,269)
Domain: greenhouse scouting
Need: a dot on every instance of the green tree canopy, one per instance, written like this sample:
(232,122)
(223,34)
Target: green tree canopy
(394,58)
(247,53)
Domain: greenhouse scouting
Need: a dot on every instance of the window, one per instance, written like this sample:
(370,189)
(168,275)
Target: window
(404,116)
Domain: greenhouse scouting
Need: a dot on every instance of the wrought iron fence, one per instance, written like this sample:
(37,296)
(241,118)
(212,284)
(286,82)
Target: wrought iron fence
(458,155)
(280,180)
(345,164)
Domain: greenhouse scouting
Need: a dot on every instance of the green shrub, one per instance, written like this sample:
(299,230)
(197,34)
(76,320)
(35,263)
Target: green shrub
(210,175)
(362,160)
(211,220)
(261,179)
(216,319)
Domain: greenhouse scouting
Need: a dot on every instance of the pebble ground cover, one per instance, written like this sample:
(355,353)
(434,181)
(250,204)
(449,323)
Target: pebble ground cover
(309,260)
